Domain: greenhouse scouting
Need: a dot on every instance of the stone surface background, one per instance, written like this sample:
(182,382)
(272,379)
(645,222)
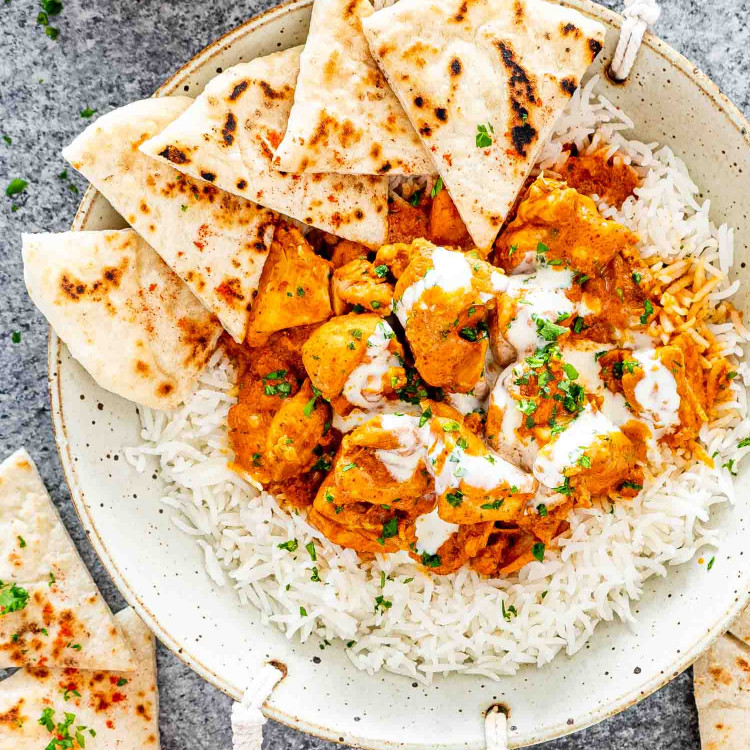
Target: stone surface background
(107,54)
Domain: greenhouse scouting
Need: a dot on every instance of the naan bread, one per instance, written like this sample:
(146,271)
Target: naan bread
(215,242)
(460,66)
(124,315)
(228,138)
(51,613)
(741,627)
(110,710)
(345,117)
(722,695)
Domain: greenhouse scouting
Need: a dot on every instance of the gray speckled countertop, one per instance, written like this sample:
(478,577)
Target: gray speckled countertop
(108,54)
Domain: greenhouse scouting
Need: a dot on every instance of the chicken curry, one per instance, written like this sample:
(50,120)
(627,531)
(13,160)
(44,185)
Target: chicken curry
(454,404)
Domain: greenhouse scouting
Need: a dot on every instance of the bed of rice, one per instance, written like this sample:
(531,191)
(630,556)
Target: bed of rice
(428,624)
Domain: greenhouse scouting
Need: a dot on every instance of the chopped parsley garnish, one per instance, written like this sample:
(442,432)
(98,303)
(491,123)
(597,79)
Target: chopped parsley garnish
(648,311)
(711,563)
(121,682)
(562,316)
(512,249)
(381,271)
(12,598)
(282,390)
(541,509)
(599,355)
(527,406)
(744,442)
(415,197)
(632,486)
(382,603)
(322,464)
(290,546)
(538,551)
(355,333)
(358,309)
(484,135)
(8,139)
(310,405)
(570,371)
(451,426)
(275,375)
(437,187)
(620,294)
(431,561)
(494,505)
(462,443)
(303,612)
(75,646)
(509,612)
(256,459)
(349,467)
(454,499)
(548,330)
(584,461)
(425,417)
(637,277)
(541,248)
(310,547)
(300,291)
(374,304)
(390,529)
(315,577)
(67,694)
(730,466)
(564,488)
(581,278)
(52,579)
(579,324)
(21,542)
(15,187)
(88,113)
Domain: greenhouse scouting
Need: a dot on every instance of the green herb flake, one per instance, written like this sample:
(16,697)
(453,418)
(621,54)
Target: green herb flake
(454,499)
(310,547)
(541,509)
(290,546)
(8,139)
(349,467)
(300,291)
(744,442)
(21,542)
(711,563)
(548,330)
(437,187)
(416,197)
(303,612)
(570,371)
(88,113)
(648,311)
(431,561)
(451,426)
(122,681)
(15,187)
(381,271)
(509,612)
(484,135)
(494,505)
(52,579)
(637,277)
(382,603)
(538,551)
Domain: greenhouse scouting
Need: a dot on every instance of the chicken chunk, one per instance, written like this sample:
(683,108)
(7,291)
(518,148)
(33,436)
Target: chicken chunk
(407,222)
(293,289)
(355,360)
(446,225)
(558,222)
(359,282)
(442,299)
(345,251)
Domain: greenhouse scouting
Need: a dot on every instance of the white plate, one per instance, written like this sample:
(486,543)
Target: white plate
(160,571)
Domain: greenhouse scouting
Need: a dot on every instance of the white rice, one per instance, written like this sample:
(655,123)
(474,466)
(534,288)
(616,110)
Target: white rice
(455,623)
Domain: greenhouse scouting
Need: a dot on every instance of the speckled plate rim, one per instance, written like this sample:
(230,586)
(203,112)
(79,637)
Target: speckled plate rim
(679,63)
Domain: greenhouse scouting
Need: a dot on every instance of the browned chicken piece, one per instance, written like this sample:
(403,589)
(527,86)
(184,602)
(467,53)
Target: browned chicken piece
(364,527)
(360,282)
(333,355)
(547,524)
(446,225)
(383,466)
(564,225)
(506,552)
(614,301)
(398,256)
(293,289)
(591,457)
(345,251)
(461,547)
(446,327)
(407,222)
(276,426)
(593,174)
(482,485)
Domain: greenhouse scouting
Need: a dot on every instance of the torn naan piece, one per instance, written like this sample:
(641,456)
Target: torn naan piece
(228,138)
(722,695)
(345,117)
(483,83)
(124,315)
(102,709)
(51,613)
(216,242)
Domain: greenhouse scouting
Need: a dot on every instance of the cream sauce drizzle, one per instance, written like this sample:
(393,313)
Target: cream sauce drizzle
(364,386)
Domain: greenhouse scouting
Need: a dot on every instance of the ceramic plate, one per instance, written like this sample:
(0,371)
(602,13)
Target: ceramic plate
(160,571)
